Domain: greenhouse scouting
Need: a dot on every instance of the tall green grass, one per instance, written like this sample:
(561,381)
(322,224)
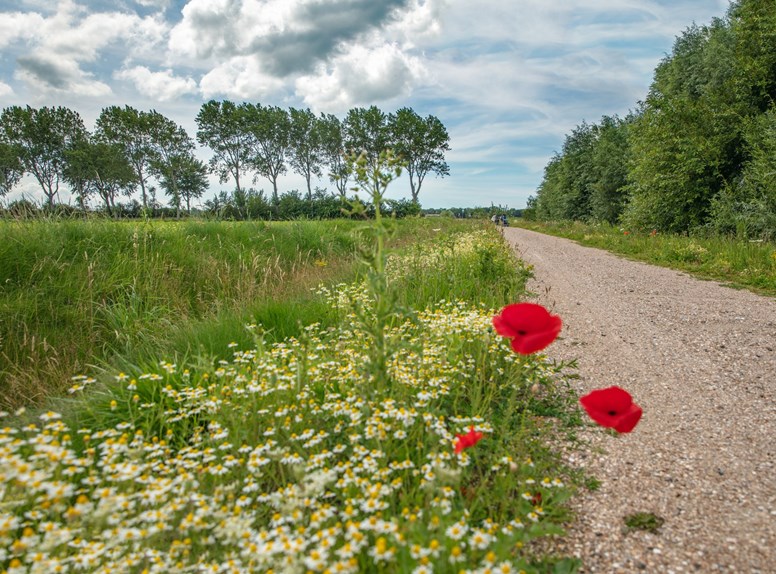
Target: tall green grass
(738,262)
(78,293)
(471,267)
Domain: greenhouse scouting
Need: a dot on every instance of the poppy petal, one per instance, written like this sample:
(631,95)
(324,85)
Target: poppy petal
(503,328)
(527,344)
(612,399)
(629,420)
(612,407)
(467,440)
(525,316)
(530,326)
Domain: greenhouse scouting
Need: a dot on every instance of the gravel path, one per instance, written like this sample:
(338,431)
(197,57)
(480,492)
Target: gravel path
(700,359)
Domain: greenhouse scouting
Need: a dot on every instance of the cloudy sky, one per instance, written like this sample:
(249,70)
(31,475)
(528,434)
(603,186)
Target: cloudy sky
(508,78)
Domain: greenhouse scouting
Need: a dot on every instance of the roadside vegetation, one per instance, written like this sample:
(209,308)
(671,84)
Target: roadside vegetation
(394,432)
(749,264)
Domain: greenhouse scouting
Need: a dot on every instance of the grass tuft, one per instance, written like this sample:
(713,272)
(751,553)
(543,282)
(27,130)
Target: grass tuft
(646,521)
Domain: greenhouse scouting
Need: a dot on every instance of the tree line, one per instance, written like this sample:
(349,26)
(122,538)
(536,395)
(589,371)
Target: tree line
(698,152)
(130,149)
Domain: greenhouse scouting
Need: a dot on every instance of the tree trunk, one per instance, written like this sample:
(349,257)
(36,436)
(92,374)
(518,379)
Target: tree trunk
(143,192)
(414,190)
(106,197)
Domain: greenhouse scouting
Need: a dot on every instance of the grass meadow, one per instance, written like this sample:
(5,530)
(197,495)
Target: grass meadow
(76,294)
(737,262)
(219,397)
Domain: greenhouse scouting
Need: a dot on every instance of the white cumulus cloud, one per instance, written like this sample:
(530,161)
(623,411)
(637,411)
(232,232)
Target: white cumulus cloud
(217,29)
(163,86)
(362,75)
(239,78)
(15,26)
(44,71)
(62,50)
(419,23)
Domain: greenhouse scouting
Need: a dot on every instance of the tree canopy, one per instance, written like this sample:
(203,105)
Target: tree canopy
(41,138)
(99,168)
(698,152)
(131,130)
(222,128)
(421,143)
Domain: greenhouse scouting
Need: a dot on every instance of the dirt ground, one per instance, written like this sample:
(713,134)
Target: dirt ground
(700,359)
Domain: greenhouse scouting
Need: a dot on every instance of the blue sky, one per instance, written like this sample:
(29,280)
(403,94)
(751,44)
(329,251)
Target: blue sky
(508,78)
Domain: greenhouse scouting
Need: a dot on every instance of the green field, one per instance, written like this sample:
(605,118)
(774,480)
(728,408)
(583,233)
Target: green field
(79,293)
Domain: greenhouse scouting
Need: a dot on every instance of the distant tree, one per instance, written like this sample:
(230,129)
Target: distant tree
(421,144)
(746,205)
(11,167)
(305,150)
(269,128)
(291,205)
(222,127)
(550,196)
(334,153)
(750,71)
(172,148)
(529,213)
(569,176)
(366,131)
(98,168)
(326,205)
(257,206)
(41,137)
(190,178)
(132,130)
(401,208)
(219,204)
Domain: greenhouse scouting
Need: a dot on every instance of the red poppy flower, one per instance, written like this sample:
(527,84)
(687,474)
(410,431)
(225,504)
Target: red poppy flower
(612,408)
(463,441)
(530,326)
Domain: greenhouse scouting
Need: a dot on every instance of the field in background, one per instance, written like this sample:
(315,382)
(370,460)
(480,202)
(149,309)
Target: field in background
(74,294)
(737,262)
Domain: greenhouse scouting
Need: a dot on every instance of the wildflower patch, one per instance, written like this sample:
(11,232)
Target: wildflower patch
(277,461)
